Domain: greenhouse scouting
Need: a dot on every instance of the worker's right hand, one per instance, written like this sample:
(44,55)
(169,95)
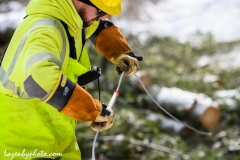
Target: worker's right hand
(126,63)
(105,119)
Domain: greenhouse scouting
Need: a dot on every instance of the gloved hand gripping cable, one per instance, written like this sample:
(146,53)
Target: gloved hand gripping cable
(110,106)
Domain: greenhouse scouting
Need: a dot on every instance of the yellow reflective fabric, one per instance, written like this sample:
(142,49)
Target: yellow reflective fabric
(91,29)
(74,70)
(29,123)
(63,10)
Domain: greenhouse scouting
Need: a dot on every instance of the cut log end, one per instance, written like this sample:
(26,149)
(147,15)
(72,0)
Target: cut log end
(210,117)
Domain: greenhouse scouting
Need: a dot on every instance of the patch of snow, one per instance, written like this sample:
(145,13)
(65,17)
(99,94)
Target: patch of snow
(11,14)
(182,18)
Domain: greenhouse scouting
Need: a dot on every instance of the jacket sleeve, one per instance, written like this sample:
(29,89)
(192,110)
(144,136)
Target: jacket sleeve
(91,29)
(44,78)
(41,56)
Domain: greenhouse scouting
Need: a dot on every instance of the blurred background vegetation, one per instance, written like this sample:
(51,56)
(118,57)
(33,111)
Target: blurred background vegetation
(169,63)
(200,65)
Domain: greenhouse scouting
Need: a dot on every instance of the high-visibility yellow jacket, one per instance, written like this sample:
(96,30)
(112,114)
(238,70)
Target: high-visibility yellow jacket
(39,53)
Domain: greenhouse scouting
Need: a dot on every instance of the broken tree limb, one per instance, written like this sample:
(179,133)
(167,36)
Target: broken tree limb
(230,98)
(166,123)
(155,147)
(196,107)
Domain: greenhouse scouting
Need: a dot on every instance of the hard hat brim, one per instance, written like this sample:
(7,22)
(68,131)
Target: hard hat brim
(112,10)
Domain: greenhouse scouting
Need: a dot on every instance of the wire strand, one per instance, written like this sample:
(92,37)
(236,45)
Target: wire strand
(120,80)
(94,143)
(188,126)
(96,135)
(99,90)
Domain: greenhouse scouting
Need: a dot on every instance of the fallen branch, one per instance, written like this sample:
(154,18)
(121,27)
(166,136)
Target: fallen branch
(154,146)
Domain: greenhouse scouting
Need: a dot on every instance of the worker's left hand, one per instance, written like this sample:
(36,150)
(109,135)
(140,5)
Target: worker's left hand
(126,63)
(104,119)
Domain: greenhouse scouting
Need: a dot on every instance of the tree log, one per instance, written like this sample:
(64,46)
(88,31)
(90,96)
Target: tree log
(194,106)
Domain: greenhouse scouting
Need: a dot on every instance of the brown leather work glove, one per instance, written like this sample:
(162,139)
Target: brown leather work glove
(111,44)
(127,64)
(81,106)
(105,119)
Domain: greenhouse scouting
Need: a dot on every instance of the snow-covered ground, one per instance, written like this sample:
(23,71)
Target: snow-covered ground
(176,18)
(11,14)
(222,60)
(182,18)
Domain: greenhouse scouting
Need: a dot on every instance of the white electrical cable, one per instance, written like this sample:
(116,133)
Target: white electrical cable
(94,143)
(110,105)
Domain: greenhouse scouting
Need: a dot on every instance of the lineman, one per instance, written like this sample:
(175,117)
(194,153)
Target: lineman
(39,74)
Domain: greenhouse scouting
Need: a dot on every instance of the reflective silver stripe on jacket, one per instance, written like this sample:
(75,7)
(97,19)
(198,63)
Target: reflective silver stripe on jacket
(42,56)
(10,84)
(4,75)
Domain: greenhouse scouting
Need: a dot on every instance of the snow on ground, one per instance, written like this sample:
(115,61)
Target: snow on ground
(222,60)
(176,18)
(11,14)
(182,18)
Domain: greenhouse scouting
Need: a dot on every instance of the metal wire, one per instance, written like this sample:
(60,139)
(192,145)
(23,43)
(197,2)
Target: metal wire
(190,127)
(96,135)
(94,143)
